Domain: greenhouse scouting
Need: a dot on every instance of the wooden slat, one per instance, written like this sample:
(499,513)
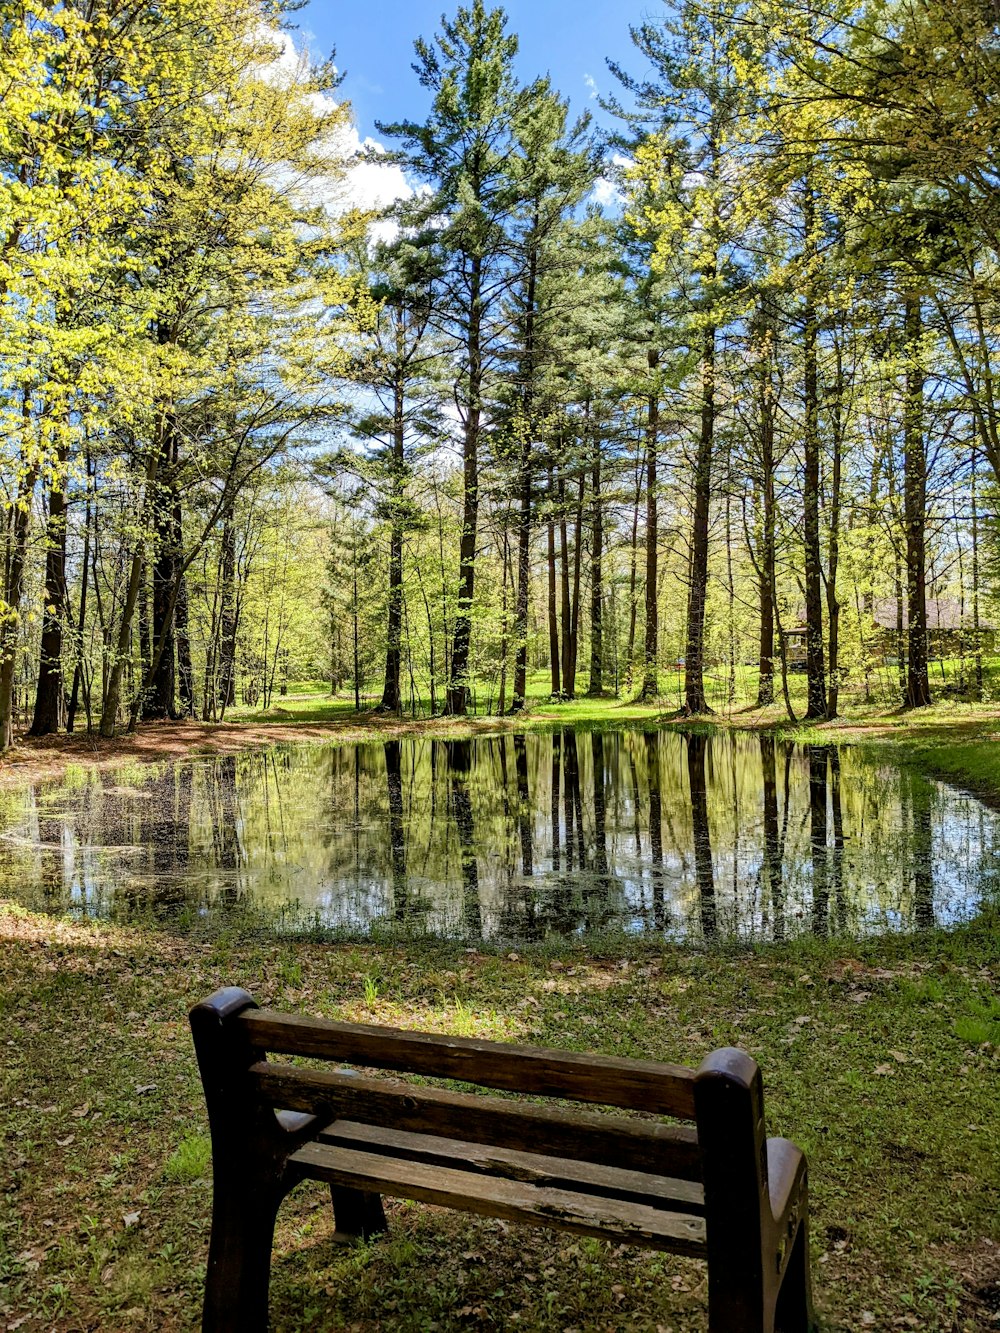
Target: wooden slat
(636,1145)
(655,1191)
(609,1219)
(639,1085)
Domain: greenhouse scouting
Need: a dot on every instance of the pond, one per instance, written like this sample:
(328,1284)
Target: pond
(514,838)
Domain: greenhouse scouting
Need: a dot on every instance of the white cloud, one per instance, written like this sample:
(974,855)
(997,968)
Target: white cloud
(591,83)
(367,184)
(606,193)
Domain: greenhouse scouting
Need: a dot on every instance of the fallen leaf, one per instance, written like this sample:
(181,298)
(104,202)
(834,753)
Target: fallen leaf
(130,1219)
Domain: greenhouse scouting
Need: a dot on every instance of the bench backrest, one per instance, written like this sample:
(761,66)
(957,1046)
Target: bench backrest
(234,1037)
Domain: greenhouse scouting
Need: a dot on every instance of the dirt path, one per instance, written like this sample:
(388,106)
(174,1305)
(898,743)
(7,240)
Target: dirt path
(35,760)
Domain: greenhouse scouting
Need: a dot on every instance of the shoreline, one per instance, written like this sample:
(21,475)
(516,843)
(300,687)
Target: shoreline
(955,744)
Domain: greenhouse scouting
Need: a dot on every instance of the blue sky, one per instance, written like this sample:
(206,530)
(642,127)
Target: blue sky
(567,39)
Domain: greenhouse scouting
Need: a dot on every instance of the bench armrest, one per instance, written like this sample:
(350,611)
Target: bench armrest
(786,1172)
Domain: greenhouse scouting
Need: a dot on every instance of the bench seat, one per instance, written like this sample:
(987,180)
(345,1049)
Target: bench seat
(589,1199)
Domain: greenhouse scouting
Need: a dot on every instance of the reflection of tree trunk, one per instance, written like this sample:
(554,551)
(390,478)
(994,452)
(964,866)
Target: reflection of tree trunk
(459,767)
(817,838)
(703,869)
(572,803)
(773,877)
(600,808)
(636,798)
(922,852)
(655,827)
(837,870)
(554,800)
(397,840)
(523,805)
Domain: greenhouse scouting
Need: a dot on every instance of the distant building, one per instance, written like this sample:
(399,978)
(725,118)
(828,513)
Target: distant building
(949,633)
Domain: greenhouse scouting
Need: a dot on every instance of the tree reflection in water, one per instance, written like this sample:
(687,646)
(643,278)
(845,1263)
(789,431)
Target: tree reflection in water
(515,837)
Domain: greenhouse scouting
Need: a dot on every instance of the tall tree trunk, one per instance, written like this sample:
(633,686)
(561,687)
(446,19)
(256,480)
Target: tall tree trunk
(185,667)
(815,655)
(833,558)
(48,696)
(694,654)
(226,660)
(650,679)
(392,699)
(918,689)
(766,559)
(574,632)
(160,696)
(505,574)
(566,606)
(524,487)
(182,632)
(112,695)
(553,601)
(633,576)
(81,624)
(977,638)
(458,685)
(596,686)
(523,583)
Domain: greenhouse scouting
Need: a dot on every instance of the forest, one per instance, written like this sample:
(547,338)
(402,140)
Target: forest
(696,402)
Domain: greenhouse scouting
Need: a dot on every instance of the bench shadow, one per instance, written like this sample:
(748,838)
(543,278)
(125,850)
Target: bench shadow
(440,1270)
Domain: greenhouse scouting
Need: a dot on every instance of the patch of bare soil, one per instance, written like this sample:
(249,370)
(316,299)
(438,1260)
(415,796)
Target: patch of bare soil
(34,760)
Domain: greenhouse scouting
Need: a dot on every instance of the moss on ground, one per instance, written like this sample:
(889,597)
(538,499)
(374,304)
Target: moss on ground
(880,1059)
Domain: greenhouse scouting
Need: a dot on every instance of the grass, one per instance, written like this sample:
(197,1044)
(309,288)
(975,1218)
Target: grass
(880,1059)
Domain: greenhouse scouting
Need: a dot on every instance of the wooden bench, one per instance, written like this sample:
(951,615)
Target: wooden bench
(722,1190)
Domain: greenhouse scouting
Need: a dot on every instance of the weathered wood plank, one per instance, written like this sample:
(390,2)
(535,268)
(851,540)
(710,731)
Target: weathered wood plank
(655,1191)
(588,1136)
(640,1085)
(519,1201)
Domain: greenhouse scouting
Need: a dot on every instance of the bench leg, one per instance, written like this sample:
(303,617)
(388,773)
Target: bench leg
(357,1215)
(239,1260)
(794,1312)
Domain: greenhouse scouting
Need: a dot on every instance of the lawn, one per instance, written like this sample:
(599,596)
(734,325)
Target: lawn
(880,1059)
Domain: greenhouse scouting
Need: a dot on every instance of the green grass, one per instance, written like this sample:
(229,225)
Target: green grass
(880,1059)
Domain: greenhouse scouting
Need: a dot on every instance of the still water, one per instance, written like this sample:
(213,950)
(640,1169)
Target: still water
(512,838)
